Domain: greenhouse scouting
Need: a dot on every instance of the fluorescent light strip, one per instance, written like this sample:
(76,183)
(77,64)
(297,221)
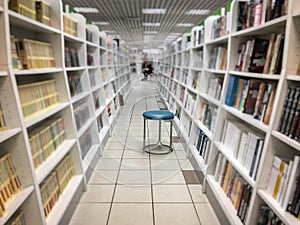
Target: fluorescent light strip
(151,24)
(86,10)
(150,32)
(185,25)
(154,11)
(101,23)
(198,12)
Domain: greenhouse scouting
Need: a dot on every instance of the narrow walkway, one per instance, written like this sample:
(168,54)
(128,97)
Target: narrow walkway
(130,187)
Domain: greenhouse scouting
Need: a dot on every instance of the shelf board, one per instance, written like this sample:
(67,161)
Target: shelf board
(224,202)
(198,158)
(44,114)
(28,24)
(197,46)
(3,73)
(215,71)
(196,69)
(211,99)
(191,89)
(265,28)
(93,67)
(236,164)
(103,133)
(79,97)
(65,199)
(85,127)
(72,38)
(287,140)
(255,75)
(220,40)
(37,71)
(43,170)
(293,77)
(99,111)
(15,203)
(206,131)
(296,14)
(286,217)
(6,134)
(69,69)
(89,157)
(247,118)
(91,44)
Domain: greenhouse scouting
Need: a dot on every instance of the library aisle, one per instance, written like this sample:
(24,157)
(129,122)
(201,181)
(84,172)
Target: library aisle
(130,187)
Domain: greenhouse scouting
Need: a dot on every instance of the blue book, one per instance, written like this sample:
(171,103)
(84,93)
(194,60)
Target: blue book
(231,91)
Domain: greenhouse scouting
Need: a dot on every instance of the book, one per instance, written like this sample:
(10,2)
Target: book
(231,91)
(251,97)
(43,10)
(276,52)
(25,8)
(268,111)
(258,56)
(258,108)
(269,53)
(258,12)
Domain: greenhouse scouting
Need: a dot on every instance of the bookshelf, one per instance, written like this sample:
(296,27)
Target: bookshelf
(41,101)
(213,88)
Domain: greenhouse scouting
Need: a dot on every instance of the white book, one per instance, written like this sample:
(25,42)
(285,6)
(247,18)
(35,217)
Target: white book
(292,183)
(257,160)
(285,183)
(218,167)
(224,131)
(242,146)
(273,175)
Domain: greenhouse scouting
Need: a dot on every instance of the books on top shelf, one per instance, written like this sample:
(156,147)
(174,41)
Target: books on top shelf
(275,9)
(35,54)
(203,144)
(289,123)
(219,28)
(198,58)
(266,216)
(261,55)
(70,25)
(2,120)
(198,36)
(45,139)
(43,9)
(88,35)
(55,183)
(284,183)
(10,182)
(218,58)
(25,8)
(234,186)
(251,96)
(37,96)
(71,57)
(244,145)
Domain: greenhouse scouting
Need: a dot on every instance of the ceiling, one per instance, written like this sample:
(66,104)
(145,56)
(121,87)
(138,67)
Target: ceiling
(126,19)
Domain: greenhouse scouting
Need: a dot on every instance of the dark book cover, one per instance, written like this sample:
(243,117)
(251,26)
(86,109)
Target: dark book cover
(242,15)
(278,64)
(231,91)
(259,54)
(252,96)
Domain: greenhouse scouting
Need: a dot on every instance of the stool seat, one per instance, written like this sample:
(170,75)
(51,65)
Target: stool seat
(158,115)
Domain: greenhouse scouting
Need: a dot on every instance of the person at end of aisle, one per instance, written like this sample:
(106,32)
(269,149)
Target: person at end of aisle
(147,69)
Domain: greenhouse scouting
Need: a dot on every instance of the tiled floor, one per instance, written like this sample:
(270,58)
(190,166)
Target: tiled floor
(130,187)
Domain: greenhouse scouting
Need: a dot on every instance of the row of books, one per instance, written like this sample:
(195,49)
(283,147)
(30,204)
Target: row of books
(192,80)
(189,103)
(284,183)
(251,96)
(90,59)
(71,57)
(198,36)
(214,87)
(75,85)
(37,96)
(266,216)
(289,123)
(99,123)
(96,98)
(253,13)
(10,183)
(18,219)
(2,120)
(208,115)
(85,143)
(88,35)
(198,58)
(243,145)
(81,114)
(219,26)
(203,145)
(70,25)
(45,139)
(93,81)
(218,59)
(55,183)
(31,54)
(261,55)
(36,10)
(234,186)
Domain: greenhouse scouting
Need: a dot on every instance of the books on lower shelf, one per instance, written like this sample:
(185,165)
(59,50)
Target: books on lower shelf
(90,59)
(203,145)
(234,186)
(198,58)
(208,115)
(45,139)
(245,146)
(2,120)
(189,103)
(289,123)
(82,115)
(71,57)
(18,219)
(15,59)
(70,25)
(85,143)
(218,59)
(37,96)
(75,85)
(214,87)
(266,216)
(99,123)
(55,183)
(251,96)
(10,182)
(284,183)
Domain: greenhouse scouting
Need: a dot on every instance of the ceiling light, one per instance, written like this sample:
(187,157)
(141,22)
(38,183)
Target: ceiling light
(198,12)
(150,32)
(101,23)
(154,11)
(86,10)
(151,24)
(109,31)
(185,25)
(174,34)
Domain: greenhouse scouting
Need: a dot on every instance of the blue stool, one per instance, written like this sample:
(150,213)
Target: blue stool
(158,115)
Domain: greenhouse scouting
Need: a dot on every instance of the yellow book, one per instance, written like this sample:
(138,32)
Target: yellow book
(279,178)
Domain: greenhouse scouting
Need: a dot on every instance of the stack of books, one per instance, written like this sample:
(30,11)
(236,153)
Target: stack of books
(71,57)
(203,145)
(70,25)
(74,84)
(218,60)
(23,7)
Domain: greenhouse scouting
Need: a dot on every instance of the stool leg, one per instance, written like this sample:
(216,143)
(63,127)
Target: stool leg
(159,132)
(171,123)
(144,138)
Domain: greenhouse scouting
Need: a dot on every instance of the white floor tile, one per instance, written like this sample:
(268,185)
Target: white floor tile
(135,154)
(196,192)
(104,177)
(185,164)
(115,145)
(167,177)
(132,193)
(112,154)
(164,164)
(206,214)
(108,164)
(98,193)
(134,177)
(171,193)
(137,164)
(91,214)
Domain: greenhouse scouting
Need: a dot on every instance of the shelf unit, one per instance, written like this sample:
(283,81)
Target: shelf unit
(96,53)
(209,85)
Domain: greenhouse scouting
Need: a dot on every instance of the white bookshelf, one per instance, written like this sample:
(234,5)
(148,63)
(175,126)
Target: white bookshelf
(275,143)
